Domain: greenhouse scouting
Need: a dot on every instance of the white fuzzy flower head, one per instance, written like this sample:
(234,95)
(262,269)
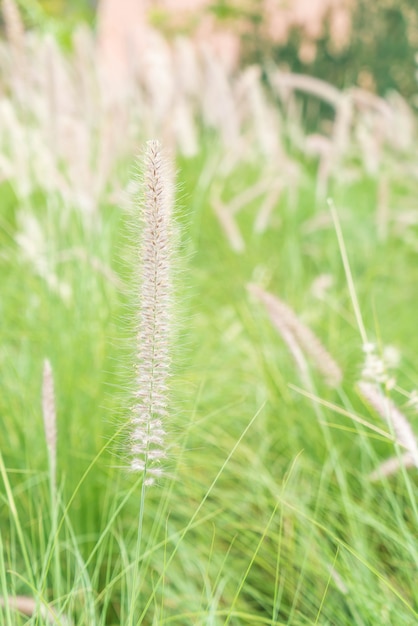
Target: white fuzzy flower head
(369,347)
(49,415)
(391,356)
(298,337)
(154,320)
(387,410)
(376,369)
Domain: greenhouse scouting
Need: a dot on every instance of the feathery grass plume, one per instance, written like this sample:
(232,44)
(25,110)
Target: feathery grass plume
(392,415)
(154,323)
(374,368)
(391,466)
(15,34)
(228,223)
(34,245)
(285,81)
(378,369)
(29,607)
(267,187)
(15,30)
(288,324)
(50,417)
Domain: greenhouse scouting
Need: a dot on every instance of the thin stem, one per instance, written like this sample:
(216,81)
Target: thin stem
(347,270)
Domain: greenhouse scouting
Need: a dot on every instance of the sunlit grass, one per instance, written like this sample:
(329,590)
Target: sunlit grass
(267,515)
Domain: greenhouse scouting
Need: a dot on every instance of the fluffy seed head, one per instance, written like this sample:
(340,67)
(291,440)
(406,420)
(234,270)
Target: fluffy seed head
(49,414)
(154,319)
(392,415)
(290,327)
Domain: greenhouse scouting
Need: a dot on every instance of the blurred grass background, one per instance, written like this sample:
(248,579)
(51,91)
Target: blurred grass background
(378,50)
(267,514)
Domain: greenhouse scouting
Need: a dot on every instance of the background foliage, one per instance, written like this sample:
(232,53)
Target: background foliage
(379,52)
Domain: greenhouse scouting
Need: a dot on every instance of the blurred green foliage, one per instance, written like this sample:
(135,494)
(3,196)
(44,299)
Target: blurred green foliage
(69,8)
(381,54)
(59,16)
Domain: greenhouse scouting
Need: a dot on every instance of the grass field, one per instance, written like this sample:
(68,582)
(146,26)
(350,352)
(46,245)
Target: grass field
(267,513)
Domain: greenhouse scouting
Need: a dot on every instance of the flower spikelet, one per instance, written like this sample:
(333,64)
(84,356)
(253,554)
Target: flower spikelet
(13,23)
(49,414)
(153,338)
(392,415)
(392,465)
(303,339)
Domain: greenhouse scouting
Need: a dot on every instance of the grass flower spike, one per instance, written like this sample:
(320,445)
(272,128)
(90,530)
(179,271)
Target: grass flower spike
(392,415)
(49,416)
(154,323)
(298,337)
